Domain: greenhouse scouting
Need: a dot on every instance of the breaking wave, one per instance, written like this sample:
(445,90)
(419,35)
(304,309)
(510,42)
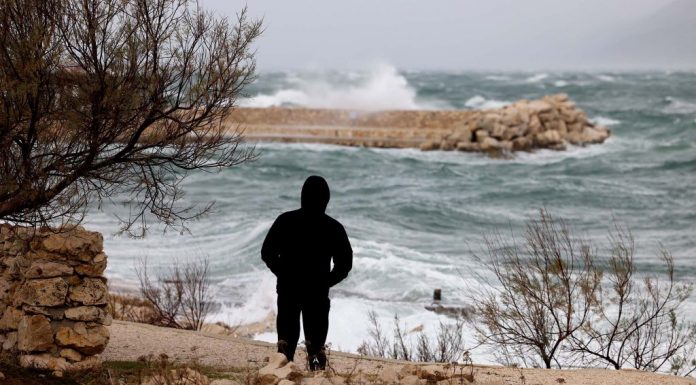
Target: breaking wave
(479,102)
(381,88)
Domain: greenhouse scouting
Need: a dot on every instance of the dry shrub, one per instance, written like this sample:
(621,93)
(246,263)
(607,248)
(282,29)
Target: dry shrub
(130,308)
(180,298)
(162,371)
(556,302)
(544,293)
(448,346)
(637,321)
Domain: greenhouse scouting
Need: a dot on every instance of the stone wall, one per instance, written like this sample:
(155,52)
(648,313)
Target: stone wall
(551,122)
(53,297)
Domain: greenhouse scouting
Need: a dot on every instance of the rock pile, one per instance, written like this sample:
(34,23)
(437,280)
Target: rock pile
(53,297)
(551,122)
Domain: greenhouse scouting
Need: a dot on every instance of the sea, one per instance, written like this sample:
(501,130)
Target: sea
(417,220)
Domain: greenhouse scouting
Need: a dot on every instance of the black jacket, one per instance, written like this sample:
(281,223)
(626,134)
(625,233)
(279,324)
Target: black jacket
(302,243)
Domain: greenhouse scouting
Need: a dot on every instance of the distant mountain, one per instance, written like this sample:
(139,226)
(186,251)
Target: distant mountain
(665,39)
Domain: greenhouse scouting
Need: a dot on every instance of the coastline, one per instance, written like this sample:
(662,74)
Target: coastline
(130,341)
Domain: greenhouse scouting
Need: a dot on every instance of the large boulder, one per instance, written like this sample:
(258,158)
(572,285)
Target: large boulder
(430,145)
(34,334)
(548,138)
(489,144)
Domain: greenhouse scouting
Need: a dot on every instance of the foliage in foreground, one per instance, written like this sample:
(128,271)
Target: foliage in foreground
(555,302)
(109,97)
(180,298)
(447,347)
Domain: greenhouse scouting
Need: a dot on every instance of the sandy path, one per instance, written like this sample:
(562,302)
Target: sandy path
(132,340)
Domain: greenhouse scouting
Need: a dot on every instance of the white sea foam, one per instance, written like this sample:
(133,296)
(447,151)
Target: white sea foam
(605,121)
(678,106)
(560,83)
(606,78)
(383,88)
(537,78)
(498,78)
(479,102)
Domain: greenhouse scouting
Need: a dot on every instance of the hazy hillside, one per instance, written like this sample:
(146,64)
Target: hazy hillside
(664,39)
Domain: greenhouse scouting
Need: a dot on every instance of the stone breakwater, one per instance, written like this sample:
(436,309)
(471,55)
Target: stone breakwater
(53,298)
(551,122)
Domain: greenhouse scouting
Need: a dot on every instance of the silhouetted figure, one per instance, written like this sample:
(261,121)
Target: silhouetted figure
(298,249)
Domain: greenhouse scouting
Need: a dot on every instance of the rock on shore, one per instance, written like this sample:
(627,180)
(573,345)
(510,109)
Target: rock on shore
(552,122)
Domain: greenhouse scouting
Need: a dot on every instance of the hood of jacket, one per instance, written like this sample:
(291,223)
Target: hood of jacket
(315,195)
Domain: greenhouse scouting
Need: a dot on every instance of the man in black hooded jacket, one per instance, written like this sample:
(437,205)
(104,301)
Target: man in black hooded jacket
(299,249)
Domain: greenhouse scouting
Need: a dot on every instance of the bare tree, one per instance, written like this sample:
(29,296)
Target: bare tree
(637,322)
(544,292)
(101,97)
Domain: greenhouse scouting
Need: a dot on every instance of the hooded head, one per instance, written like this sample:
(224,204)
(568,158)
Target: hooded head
(315,194)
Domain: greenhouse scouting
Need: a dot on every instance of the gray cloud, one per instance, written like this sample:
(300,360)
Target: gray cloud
(466,35)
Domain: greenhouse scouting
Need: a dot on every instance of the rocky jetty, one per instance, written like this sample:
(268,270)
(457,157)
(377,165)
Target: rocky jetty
(53,298)
(552,122)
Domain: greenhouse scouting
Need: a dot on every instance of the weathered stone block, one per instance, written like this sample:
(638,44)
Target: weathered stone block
(92,291)
(82,244)
(47,270)
(70,354)
(10,341)
(86,340)
(34,334)
(10,318)
(43,292)
(54,313)
(43,362)
(95,268)
(85,313)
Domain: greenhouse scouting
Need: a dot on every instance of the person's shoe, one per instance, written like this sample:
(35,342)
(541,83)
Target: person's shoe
(317,361)
(283,348)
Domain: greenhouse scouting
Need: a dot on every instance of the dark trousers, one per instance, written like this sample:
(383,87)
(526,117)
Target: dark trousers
(315,318)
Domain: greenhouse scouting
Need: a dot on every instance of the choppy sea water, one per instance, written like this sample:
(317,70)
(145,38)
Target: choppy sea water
(416,219)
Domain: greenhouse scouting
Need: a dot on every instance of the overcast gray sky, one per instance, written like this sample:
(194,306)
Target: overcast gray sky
(468,34)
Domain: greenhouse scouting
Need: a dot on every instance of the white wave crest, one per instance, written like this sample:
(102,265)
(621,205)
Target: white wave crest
(479,102)
(560,83)
(678,106)
(537,78)
(605,121)
(606,78)
(498,78)
(382,89)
